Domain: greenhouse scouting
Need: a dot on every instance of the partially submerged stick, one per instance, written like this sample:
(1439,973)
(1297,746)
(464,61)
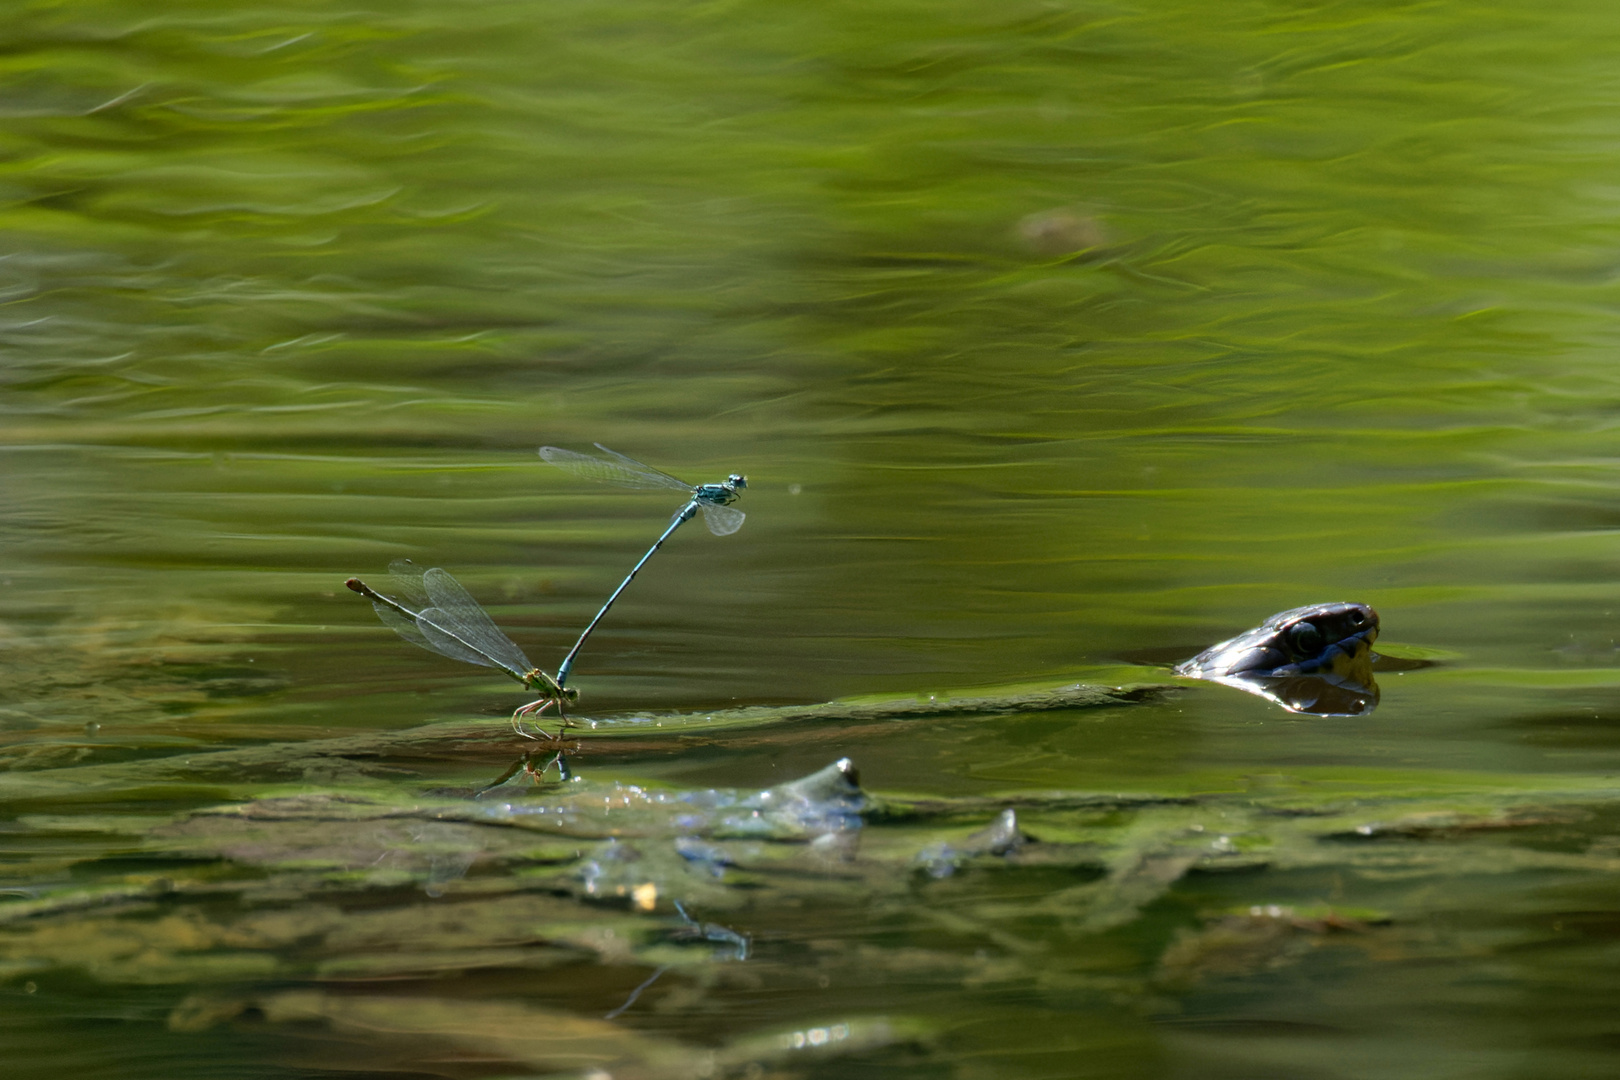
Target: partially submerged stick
(225,774)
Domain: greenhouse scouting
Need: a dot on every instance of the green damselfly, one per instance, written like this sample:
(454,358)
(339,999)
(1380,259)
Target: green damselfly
(431,609)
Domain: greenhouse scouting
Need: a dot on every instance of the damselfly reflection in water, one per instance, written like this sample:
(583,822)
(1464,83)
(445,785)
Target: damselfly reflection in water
(435,612)
(615,468)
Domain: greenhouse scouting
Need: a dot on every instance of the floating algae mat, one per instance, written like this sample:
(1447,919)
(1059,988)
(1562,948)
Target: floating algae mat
(378,922)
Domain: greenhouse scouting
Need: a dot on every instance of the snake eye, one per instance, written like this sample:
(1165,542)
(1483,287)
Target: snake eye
(1305,638)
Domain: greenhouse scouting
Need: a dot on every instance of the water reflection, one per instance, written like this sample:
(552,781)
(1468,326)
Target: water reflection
(1353,693)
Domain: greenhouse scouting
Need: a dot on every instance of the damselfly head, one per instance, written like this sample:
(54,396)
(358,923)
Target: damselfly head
(737,481)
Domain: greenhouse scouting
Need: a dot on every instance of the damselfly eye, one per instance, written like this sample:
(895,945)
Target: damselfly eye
(1305,638)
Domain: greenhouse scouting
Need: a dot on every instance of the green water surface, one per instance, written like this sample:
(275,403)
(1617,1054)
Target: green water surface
(1056,339)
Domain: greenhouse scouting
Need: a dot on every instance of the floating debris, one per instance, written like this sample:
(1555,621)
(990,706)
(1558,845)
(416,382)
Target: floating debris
(1000,837)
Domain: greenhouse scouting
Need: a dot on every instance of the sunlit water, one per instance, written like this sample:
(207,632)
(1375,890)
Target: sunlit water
(1048,335)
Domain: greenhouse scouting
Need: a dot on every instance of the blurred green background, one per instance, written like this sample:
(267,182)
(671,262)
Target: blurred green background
(1051,335)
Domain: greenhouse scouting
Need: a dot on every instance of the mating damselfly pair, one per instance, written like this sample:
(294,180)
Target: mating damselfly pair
(431,609)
